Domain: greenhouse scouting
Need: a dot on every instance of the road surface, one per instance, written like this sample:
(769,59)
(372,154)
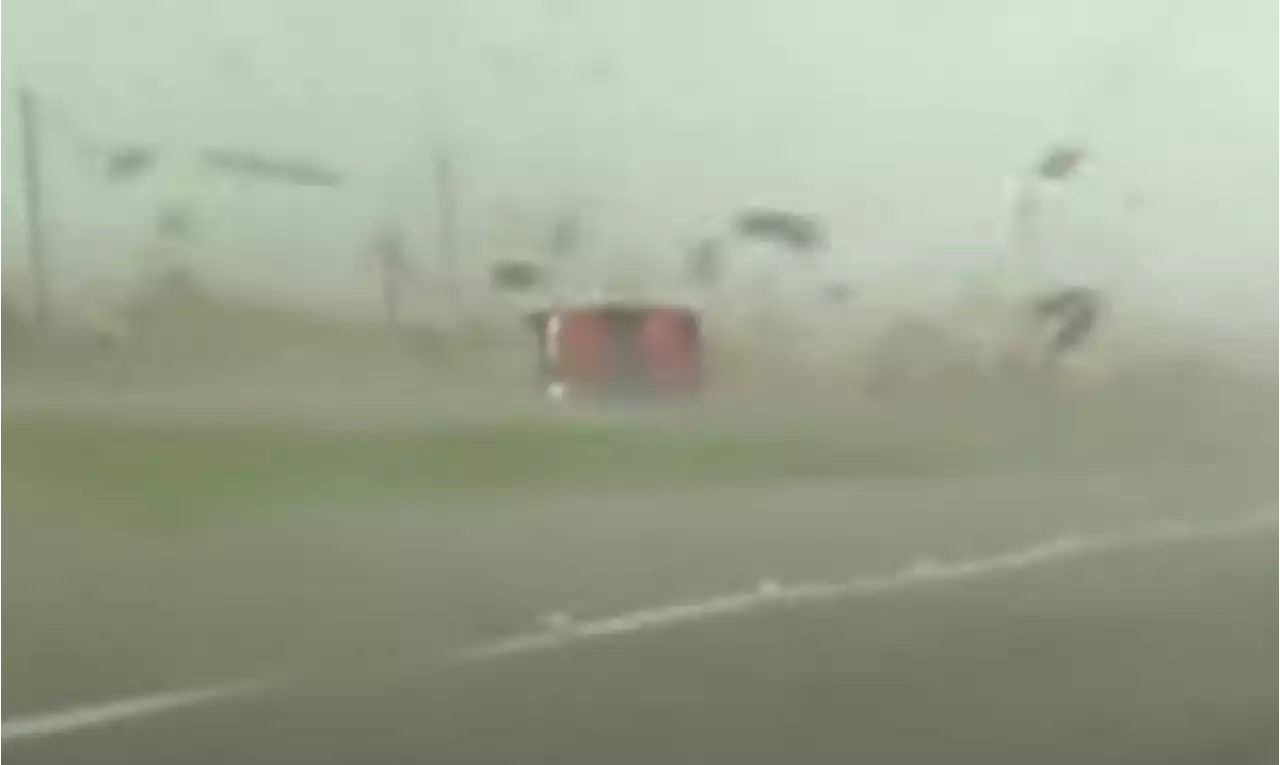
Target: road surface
(1161,652)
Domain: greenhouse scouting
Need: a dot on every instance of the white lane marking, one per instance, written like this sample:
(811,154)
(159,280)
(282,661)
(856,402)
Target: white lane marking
(564,631)
(923,571)
(92,716)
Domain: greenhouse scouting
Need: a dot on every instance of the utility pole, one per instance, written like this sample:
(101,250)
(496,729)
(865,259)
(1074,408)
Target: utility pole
(34,192)
(446,226)
(394,272)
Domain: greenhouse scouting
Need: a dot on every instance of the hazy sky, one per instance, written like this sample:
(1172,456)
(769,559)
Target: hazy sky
(896,120)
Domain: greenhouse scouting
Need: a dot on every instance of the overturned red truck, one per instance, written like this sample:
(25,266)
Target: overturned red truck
(619,350)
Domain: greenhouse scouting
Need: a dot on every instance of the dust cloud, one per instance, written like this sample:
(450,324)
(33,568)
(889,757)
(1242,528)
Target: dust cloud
(273,406)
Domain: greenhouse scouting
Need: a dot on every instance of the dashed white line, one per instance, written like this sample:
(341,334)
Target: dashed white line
(97,715)
(565,631)
(923,571)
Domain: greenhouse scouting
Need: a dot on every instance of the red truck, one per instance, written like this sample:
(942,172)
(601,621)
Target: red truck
(619,350)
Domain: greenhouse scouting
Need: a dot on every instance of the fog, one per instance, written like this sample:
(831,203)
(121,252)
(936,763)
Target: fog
(898,123)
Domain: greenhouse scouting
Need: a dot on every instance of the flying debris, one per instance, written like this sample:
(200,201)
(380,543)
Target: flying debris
(1060,162)
(129,162)
(704,263)
(600,71)
(271,168)
(1070,316)
(175,223)
(792,230)
(515,275)
(565,237)
(838,293)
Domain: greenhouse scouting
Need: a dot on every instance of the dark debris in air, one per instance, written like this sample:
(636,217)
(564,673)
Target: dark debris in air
(799,233)
(1060,162)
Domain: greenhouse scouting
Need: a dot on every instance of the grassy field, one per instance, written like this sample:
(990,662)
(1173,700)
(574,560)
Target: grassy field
(216,466)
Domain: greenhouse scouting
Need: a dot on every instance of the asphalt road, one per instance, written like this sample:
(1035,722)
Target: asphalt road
(1164,655)
(1148,655)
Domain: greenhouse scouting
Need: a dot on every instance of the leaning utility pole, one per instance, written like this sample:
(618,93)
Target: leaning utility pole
(34,192)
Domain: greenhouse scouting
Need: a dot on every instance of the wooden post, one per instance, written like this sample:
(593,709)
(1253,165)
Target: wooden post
(33,190)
